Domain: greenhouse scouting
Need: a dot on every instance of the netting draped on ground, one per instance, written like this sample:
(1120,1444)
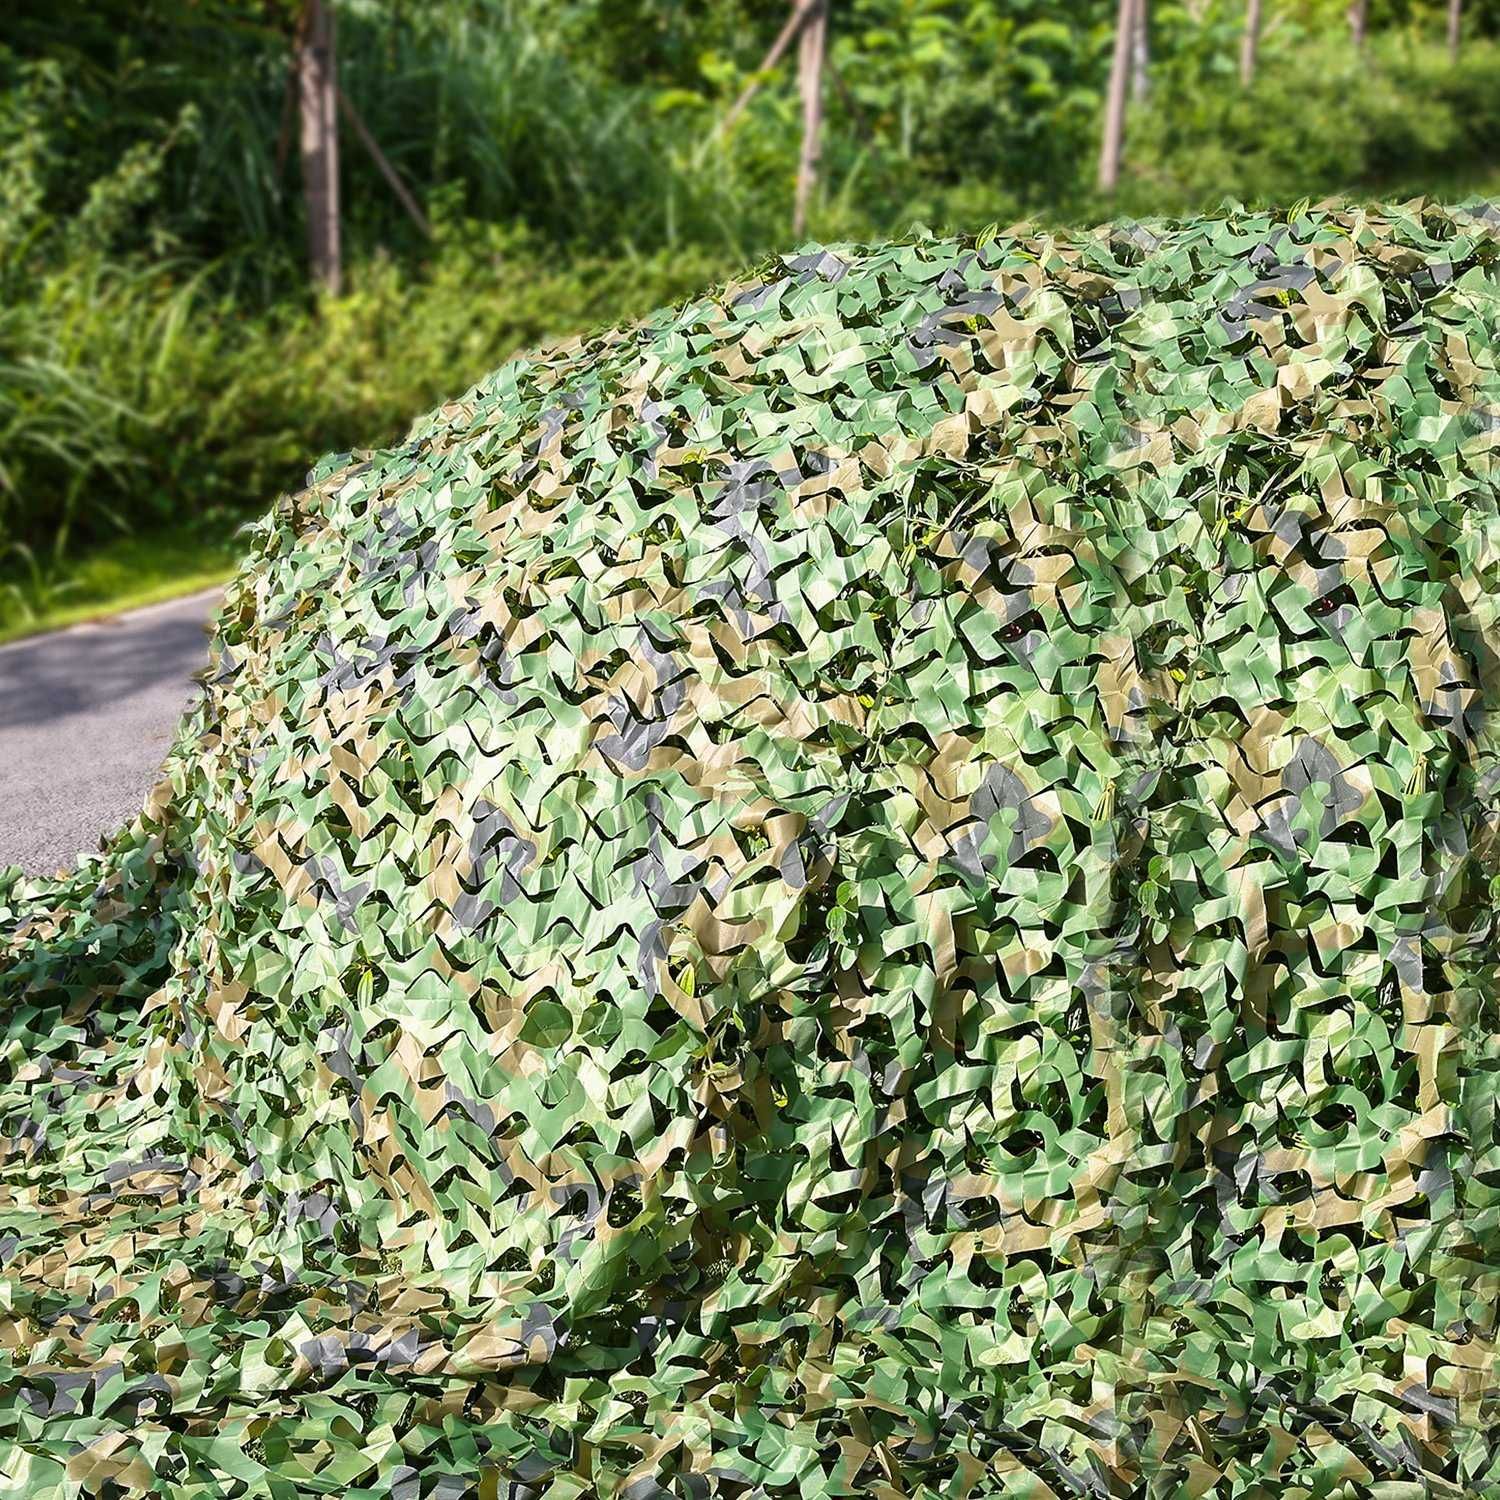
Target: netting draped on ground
(882,885)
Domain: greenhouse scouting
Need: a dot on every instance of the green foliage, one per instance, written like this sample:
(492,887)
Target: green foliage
(1320,120)
(142,388)
(1007,90)
(88,340)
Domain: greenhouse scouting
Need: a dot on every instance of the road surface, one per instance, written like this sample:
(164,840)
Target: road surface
(86,716)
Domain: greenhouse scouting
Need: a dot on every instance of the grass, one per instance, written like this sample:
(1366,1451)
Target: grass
(118,576)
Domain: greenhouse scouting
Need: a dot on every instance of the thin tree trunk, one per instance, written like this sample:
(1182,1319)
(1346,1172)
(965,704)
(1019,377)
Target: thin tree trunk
(1359,21)
(1140,52)
(1455,27)
(1250,43)
(813,47)
(317,92)
(1114,108)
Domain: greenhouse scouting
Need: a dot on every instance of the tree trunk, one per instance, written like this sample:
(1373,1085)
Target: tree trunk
(317,93)
(1114,108)
(1250,43)
(1455,27)
(1359,21)
(1140,52)
(812,48)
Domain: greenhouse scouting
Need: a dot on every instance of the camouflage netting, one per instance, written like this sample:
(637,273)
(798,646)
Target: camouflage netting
(882,886)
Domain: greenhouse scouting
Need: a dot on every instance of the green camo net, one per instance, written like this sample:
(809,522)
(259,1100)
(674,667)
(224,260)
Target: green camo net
(884,885)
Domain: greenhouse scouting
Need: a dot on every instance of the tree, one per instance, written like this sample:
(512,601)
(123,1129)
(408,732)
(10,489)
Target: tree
(1455,27)
(317,95)
(1250,43)
(1114,110)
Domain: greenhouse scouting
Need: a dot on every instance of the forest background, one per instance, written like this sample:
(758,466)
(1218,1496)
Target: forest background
(518,170)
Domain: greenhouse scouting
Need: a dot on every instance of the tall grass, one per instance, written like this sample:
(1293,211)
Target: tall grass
(134,396)
(472,101)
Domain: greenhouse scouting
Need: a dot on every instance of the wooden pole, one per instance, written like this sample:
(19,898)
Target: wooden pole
(811,52)
(1455,27)
(1359,21)
(317,90)
(387,171)
(1250,43)
(801,11)
(1140,52)
(1114,108)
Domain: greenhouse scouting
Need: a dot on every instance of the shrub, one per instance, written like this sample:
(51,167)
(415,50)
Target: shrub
(1321,120)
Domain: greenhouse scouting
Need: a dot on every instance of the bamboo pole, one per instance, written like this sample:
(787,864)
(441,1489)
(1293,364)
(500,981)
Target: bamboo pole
(1114,111)
(317,86)
(812,50)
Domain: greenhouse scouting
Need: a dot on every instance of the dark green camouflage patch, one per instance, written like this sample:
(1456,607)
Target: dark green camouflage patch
(884,885)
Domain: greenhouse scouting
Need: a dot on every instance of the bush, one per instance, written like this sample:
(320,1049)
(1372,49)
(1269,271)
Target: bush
(1320,120)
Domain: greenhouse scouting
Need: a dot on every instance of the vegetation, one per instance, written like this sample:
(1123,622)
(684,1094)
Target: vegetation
(129,572)
(164,364)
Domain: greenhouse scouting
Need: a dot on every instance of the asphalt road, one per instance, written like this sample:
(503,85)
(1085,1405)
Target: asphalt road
(86,717)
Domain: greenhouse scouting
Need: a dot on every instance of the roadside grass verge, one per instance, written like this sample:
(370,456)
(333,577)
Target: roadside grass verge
(121,575)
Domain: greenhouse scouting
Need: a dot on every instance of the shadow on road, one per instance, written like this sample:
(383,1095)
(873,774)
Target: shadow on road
(86,717)
(70,673)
